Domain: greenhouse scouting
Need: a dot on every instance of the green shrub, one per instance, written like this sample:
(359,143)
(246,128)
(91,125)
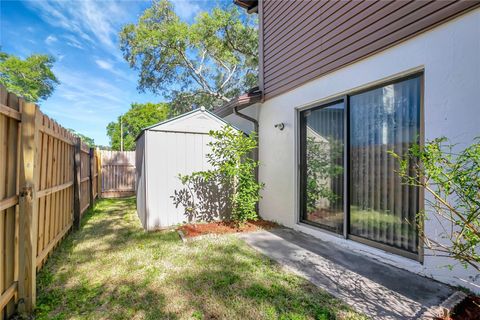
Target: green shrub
(233,166)
(452,179)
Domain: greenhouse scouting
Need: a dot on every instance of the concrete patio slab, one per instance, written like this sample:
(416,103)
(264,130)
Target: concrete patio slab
(378,290)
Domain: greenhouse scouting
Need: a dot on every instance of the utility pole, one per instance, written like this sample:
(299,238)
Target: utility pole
(121,133)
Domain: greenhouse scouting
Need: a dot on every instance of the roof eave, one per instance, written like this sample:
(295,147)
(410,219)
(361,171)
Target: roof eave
(250,5)
(241,102)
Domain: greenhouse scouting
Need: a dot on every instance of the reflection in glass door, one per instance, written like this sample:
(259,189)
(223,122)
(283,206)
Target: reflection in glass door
(322,166)
(382,209)
(379,210)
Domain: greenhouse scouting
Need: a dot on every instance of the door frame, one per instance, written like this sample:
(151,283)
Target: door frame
(302,166)
(345,97)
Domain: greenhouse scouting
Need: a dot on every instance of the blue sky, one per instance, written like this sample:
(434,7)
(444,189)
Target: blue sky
(96,84)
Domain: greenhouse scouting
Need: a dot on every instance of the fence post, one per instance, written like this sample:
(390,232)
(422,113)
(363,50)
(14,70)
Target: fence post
(92,177)
(28,207)
(77,167)
(99,172)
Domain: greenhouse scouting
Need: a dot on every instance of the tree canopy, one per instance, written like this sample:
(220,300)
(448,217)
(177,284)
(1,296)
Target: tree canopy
(139,116)
(31,78)
(204,63)
(87,140)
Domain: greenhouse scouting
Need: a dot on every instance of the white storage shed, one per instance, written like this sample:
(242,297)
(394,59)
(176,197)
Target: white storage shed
(163,152)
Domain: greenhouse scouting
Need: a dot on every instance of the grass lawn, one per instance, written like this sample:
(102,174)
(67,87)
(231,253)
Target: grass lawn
(112,269)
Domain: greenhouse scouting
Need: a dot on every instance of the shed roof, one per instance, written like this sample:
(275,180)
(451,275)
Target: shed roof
(195,121)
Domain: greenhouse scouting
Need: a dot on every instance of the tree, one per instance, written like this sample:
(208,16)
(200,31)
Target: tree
(87,140)
(204,63)
(234,169)
(31,78)
(322,167)
(451,179)
(139,116)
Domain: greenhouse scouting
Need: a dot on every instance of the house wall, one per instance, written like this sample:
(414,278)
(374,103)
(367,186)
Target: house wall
(241,123)
(449,55)
(303,40)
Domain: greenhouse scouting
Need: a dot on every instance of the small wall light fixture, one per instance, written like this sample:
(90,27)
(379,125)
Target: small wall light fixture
(280,126)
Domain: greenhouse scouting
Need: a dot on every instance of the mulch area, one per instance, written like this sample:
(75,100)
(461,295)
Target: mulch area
(468,309)
(224,227)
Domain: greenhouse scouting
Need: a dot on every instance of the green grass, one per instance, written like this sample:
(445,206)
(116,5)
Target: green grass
(112,269)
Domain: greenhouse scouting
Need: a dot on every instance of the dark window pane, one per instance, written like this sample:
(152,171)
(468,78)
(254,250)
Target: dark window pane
(381,208)
(322,154)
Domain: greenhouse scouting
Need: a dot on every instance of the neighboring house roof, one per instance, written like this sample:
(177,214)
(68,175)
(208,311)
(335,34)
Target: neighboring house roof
(250,5)
(196,121)
(253,96)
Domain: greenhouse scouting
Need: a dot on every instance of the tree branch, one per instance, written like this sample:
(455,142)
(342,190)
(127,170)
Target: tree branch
(234,47)
(229,77)
(458,214)
(200,79)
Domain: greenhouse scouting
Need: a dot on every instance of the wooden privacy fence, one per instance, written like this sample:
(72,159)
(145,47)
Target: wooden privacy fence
(118,173)
(48,178)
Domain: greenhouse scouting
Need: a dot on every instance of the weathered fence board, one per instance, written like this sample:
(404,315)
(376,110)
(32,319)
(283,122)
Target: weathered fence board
(85,183)
(28,207)
(10,117)
(37,187)
(118,173)
(55,209)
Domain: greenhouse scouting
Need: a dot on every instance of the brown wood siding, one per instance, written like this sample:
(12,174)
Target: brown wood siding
(303,40)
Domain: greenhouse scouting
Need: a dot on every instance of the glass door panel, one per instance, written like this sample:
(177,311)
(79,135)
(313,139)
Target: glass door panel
(382,209)
(322,166)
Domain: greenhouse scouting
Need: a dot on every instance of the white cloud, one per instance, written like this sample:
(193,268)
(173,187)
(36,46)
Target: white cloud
(186,9)
(51,39)
(95,22)
(75,45)
(82,90)
(109,66)
(104,64)
(72,41)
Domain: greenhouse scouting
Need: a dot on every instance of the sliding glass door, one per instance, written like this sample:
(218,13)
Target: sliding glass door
(323,171)
(380,211)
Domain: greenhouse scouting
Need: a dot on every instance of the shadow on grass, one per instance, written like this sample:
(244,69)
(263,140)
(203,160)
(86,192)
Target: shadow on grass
(235,282)
(113,224)
(108,224)
(93,301)
(112,269)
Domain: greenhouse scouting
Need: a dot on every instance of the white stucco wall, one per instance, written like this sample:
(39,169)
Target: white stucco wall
(450,57)
(242,123)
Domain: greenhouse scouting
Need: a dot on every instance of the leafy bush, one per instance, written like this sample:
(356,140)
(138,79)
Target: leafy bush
(453,181)
(322,167)
(234,167)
